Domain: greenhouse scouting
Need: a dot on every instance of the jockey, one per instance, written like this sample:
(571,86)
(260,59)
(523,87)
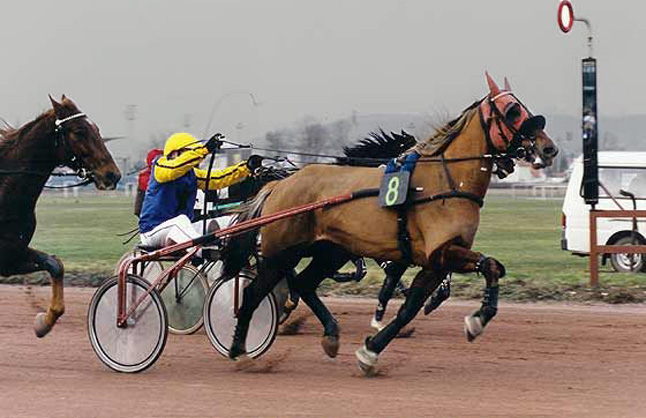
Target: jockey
(167,212)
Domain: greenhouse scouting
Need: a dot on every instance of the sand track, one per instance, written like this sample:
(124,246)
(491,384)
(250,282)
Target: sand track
(533,360)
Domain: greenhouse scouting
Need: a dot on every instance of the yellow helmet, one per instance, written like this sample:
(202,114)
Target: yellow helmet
(180,141)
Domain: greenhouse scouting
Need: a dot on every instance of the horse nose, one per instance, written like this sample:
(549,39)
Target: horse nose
(113,177)
(550,151)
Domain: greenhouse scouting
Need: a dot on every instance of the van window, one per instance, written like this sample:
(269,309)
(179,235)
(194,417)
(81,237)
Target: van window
(630,179)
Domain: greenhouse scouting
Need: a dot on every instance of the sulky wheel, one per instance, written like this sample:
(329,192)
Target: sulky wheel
(220,320)
(139,344)
(184,300)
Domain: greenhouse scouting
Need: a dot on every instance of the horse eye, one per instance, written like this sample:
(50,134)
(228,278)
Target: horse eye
(512,113)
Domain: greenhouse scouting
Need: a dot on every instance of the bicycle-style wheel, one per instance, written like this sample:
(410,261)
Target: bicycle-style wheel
(220,320)
(139,344)
(184,300)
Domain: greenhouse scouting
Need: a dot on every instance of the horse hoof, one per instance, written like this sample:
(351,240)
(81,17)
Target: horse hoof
(367,361)
(473,327)
(41,327)
(378,325)
(330,345)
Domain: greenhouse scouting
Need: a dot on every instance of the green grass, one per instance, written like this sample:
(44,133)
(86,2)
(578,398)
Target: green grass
(83,232)
(523,234)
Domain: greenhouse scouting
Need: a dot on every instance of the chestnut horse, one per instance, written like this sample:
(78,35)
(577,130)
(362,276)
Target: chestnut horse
(62,136)
(443,212)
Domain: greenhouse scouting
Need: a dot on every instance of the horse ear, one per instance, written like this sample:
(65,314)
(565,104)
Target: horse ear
(507,85)
(65,98)
(51,99)
(493,88)
(58,108)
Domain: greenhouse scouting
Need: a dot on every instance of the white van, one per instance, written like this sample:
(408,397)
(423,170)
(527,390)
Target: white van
(617,170)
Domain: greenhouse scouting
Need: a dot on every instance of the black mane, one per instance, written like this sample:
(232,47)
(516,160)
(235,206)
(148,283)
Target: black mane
(378,146)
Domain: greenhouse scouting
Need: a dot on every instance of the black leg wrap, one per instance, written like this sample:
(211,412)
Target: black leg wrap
(489,306)
(483,265)
(394,273)
(442,293)
(406,313)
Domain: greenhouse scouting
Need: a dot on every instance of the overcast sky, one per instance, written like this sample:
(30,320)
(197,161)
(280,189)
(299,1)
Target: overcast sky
(304,57)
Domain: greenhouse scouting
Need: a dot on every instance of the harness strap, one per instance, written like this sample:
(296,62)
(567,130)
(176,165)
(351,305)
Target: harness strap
(404,241)
(449,195)
(403,237)
(449,178)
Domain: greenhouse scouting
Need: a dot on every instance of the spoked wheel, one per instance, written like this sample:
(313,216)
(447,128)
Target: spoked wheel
(139,344)
(184,300)
(220,319)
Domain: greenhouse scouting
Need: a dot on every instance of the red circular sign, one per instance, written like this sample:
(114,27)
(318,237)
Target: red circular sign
(565,16)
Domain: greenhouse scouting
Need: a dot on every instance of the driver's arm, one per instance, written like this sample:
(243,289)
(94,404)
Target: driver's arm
(223,178)
(168,170)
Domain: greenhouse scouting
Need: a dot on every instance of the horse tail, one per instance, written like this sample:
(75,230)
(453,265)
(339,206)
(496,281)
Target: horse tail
(238,249)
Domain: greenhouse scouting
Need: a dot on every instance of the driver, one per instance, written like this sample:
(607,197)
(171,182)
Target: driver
(167,212)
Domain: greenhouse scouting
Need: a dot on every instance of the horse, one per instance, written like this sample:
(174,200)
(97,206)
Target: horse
(61,136)
(440,219)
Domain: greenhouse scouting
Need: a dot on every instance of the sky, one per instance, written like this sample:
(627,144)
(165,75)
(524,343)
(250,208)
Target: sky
(184,62)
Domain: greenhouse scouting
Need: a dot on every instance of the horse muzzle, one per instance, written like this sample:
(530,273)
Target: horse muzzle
(108,181)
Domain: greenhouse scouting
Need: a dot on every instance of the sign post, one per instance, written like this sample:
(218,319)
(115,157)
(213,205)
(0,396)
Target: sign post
(589,130)
(589,123)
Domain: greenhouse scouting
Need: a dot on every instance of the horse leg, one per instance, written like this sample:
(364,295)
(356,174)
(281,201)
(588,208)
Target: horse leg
(442,293)
(33,261)
(423,285)
(270,272)
(324,263)
(462,260)
(394,272)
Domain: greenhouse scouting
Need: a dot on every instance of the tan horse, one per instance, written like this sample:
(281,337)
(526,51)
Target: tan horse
(451,178)
(62,136)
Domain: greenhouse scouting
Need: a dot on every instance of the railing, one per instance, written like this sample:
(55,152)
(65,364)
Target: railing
(596,250)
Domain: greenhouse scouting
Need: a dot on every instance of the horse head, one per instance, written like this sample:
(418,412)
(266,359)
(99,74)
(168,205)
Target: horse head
(513,129)
(81,147)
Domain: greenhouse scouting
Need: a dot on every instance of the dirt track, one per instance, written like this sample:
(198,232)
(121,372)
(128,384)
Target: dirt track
(533,360)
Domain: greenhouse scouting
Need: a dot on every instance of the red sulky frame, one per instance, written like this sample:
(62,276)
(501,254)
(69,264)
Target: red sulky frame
(123,312)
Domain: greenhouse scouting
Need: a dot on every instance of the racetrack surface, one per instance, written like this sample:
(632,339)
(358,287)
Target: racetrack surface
(533,361)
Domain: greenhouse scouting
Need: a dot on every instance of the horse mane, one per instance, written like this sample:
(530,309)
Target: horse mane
(443,136)
(9,135)
(378,146)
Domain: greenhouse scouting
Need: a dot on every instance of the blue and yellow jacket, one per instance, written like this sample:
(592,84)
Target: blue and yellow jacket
(173,186)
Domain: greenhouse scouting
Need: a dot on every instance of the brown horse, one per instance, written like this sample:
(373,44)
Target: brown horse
(62,136)
(441,216)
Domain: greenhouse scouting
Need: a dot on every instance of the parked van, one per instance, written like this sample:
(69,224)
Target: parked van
(618,170)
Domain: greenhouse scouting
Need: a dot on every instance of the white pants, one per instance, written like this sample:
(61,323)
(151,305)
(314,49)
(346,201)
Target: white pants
(173,231)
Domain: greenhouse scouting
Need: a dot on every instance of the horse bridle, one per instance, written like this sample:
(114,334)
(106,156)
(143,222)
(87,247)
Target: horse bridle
(523,133)
(68,158)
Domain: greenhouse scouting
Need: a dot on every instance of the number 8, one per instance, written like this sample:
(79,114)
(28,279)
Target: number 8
(393,191)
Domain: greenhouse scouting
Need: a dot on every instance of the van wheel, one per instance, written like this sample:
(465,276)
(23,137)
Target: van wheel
(626,263)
